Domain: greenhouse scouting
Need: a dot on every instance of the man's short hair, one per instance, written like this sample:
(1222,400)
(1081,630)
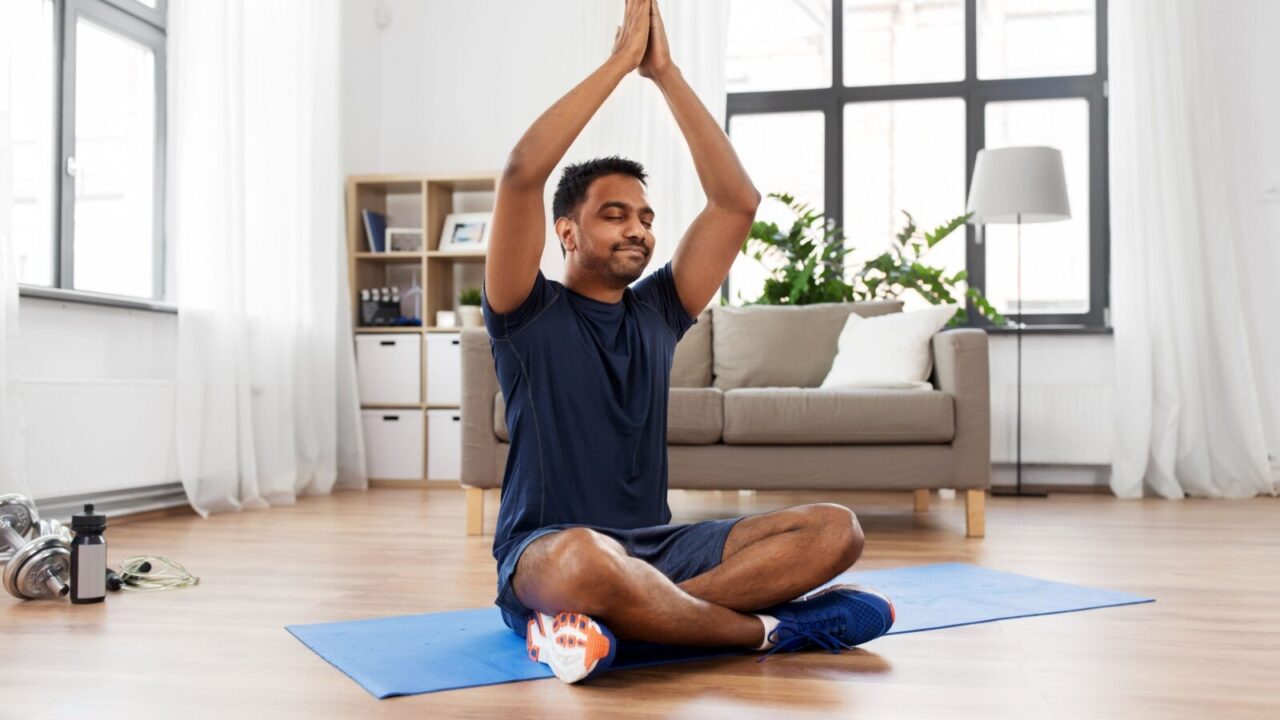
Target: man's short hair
(575,180)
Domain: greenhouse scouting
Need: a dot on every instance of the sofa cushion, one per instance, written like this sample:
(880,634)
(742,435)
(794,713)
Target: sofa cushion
(887,351)
(695,416)
(692,364)
(781,345)
(500,418)
(804,416)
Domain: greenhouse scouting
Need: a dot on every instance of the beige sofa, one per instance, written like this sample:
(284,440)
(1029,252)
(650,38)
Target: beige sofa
(746,412)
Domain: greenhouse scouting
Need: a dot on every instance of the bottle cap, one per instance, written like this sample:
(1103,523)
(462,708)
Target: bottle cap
(89,521)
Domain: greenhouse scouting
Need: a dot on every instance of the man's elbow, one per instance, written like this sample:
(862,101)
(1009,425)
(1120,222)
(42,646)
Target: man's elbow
(746,203)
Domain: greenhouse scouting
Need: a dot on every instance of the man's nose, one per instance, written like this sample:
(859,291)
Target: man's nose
(635,229)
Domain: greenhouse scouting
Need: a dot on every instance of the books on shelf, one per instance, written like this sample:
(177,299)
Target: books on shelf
(375,229)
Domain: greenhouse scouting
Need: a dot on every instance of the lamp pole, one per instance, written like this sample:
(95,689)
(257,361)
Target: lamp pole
(1018,491)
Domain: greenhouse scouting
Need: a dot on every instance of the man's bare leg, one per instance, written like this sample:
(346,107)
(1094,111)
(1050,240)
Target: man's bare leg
(587,572)
(583,571)
(776,556)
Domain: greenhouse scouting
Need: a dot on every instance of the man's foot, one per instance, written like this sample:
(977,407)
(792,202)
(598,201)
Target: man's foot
(835,618)
(573,645)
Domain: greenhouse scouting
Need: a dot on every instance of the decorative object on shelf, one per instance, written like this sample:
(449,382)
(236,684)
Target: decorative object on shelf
(411,300)
(381,307)
(469,308)
(446,319)
(466,232)
(806,265)
(1016,185)
(404,240)
(375,230)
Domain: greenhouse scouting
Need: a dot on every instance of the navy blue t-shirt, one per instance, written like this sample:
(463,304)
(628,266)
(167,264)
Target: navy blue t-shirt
(586,386)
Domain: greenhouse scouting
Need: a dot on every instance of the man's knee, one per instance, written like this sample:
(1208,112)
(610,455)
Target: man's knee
(579,569)
(842,533)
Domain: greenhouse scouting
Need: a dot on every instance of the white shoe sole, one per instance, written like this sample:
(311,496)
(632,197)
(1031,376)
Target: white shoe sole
(571,644)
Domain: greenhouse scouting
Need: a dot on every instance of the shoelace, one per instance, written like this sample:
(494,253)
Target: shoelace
(824,636)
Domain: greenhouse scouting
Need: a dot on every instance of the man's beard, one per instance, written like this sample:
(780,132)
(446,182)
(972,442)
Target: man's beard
(618,270)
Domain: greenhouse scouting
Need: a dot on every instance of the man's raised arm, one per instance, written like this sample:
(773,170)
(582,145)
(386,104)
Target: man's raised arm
(519,218)
(713,240)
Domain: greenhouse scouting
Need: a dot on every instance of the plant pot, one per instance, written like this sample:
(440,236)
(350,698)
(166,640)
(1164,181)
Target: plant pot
(470,316)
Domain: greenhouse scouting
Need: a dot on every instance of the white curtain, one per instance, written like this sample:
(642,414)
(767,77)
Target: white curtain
(267,408)
(637,124)
(1191,410)
(13,475)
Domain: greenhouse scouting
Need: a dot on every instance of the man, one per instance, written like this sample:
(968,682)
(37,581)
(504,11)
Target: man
(584,550)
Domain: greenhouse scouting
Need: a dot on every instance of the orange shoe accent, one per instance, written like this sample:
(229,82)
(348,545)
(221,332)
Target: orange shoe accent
(597,646)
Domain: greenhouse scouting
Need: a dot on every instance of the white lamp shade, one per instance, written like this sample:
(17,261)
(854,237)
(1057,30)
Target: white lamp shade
(1014,183)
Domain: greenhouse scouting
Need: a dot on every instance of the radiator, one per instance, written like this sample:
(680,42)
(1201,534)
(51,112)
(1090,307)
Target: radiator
(101,439)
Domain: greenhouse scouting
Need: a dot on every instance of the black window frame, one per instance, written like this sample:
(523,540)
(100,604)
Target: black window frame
(976,93)
(146,26)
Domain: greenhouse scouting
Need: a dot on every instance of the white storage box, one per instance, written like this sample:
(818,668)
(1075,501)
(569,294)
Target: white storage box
(444,369)
(444,444)
(389,369)
(393,444)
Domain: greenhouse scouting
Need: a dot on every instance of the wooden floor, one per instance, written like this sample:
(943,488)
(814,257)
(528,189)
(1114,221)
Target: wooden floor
(1210,646)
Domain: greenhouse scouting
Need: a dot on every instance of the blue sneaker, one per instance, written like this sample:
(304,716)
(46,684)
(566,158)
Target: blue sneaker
(835,618)
(573,645)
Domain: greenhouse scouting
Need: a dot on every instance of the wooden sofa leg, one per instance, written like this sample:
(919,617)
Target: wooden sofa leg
(922,500)
(975,518)
(475,511)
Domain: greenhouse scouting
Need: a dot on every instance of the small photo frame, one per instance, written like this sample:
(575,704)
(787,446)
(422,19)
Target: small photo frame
(403,240)
(466,232)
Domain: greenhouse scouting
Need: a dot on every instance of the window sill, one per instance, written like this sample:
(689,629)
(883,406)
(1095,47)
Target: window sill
(88,298)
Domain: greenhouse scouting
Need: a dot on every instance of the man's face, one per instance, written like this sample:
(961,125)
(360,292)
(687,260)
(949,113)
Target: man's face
(613,237)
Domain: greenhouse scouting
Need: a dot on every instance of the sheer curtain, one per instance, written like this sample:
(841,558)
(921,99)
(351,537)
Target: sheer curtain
(13,470)
(267,408)
(1191,420)
(636,123)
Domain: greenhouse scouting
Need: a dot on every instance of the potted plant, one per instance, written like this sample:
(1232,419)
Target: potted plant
(469,308)
(807,265)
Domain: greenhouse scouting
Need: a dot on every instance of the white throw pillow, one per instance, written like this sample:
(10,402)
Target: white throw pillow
(888,351)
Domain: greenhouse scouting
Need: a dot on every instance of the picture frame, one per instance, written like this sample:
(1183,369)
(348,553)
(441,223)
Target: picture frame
(466,232)
(403,240)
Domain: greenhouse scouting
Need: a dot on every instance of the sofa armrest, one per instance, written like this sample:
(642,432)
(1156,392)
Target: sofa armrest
(479,385)
(960,367)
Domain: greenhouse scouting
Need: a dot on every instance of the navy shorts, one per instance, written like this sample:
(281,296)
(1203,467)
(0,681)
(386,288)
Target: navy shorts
(677,551)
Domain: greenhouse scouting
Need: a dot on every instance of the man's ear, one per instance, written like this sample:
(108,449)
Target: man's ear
(566,235)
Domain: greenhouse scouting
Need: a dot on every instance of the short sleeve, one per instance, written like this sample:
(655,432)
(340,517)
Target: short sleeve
(658,291)
(503,326)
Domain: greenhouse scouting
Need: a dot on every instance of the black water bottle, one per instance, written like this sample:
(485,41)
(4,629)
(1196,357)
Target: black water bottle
(88,557)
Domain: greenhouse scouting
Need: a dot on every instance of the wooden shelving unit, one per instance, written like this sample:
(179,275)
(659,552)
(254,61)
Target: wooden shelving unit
(415,201)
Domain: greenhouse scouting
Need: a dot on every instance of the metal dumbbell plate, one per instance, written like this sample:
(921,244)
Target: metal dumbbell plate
(39,570)
(21,515)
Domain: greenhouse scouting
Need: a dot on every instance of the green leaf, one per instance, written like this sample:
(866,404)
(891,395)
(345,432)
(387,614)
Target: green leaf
(944,230)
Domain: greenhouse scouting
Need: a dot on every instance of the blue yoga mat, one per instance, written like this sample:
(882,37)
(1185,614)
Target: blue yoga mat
(413,654)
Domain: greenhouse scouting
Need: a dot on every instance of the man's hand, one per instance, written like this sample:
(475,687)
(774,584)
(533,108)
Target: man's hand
(630,40)
(657,56)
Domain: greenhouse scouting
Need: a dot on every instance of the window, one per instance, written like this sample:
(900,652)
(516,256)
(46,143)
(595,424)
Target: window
(88,145)
(909,92)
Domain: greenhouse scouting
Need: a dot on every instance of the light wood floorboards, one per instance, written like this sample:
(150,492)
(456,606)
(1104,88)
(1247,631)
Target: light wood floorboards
(1210,646)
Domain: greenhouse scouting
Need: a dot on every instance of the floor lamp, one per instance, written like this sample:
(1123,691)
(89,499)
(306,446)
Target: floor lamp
(1017,185)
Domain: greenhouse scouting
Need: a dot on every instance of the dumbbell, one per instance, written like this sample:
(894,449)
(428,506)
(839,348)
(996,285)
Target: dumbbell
(41,567)
(17,516)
